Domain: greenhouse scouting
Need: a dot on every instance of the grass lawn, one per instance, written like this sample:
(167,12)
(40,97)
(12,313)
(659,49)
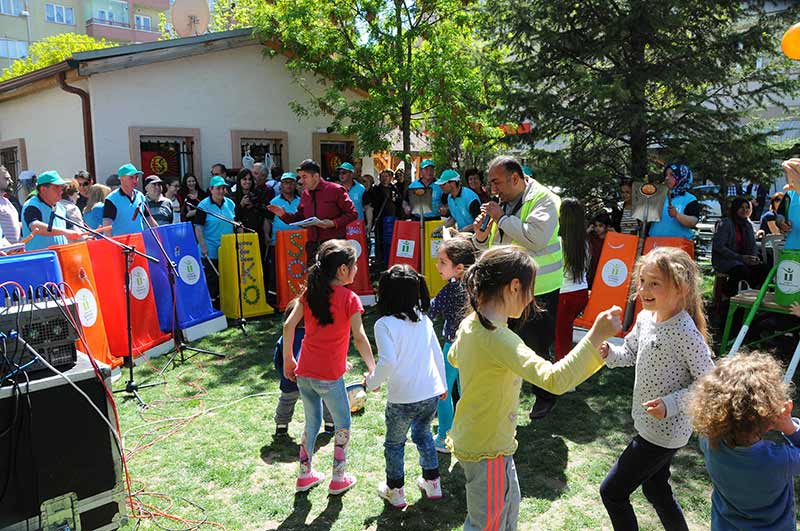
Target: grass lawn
(206,442)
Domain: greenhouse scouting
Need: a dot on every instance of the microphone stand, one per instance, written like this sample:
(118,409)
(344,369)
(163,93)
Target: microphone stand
(131,387)
(172,274)
(237,226)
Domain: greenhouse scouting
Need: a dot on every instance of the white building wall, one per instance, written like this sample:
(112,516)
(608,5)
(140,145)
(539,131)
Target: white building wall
(51,123)
(215,92)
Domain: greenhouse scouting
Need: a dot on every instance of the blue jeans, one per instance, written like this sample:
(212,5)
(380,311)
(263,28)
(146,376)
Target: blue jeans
(399,418)
(445,410)
(334,394)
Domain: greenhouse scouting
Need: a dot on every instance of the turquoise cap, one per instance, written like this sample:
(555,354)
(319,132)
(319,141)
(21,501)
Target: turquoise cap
(289,176)
(50,177)
(128,169)
(447,176)
(426,164)
(346,166)
(217,181)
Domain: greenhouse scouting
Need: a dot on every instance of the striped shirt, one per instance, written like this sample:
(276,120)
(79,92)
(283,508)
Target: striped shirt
(9,220)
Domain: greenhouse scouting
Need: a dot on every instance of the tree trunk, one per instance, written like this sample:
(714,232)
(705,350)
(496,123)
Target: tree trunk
(638,99)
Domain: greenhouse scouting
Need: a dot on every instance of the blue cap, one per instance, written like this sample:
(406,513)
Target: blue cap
(447,176)
(426,164)
(128,169)
(346,166)
(289,176)
(217,181)
(50,177)
(527,170)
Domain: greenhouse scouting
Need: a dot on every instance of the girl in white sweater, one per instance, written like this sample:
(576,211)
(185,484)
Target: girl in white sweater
(411,362)
(669,347)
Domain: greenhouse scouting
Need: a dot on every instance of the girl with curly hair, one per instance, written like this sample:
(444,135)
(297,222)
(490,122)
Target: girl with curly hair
(732,408)
(669,348)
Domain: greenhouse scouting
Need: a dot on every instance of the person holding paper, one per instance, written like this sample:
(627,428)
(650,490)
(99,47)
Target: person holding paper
(320,199)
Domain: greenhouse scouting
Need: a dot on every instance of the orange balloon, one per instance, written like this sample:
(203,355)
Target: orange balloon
(790,43)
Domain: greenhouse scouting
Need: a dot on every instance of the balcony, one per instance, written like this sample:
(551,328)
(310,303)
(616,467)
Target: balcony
(158,5)
(115,30)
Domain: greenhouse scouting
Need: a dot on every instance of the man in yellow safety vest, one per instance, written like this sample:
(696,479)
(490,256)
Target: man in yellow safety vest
(527,215)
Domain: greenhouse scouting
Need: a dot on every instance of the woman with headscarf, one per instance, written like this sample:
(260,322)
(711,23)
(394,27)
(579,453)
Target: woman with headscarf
(733,249)
(681,209)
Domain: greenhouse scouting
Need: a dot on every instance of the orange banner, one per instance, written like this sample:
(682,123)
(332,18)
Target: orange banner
(356,238)
(652,243)
(290,265)
(613,277)
(79,276)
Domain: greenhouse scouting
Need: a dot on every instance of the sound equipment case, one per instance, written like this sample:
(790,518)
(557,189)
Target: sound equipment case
(64,472)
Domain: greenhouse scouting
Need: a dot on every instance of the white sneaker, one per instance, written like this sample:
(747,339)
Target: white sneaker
(395,497)
(431,488)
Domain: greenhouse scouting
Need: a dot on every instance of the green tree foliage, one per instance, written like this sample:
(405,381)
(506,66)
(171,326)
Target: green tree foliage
(625,85)
(416,61)
(52,50)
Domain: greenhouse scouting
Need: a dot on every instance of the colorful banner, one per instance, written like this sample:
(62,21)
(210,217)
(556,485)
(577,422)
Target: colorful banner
(405,244)
(161,163)
(251,277)
(290,265)
(356,239)
(652,243)
(146,336)
(431,250)
(191,291)
(613,277)
(79,276)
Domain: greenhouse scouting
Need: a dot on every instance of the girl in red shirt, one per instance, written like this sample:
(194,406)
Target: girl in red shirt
(331,312)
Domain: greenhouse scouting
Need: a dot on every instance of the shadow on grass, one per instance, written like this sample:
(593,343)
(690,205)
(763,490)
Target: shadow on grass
(302,506)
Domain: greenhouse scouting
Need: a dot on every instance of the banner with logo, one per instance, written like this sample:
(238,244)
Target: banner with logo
(161,163)
(250,277)
(613,278)
(191,291)
(405,244)
(146,336)
(290,265)
(79,276)
(652,243)
(787,278)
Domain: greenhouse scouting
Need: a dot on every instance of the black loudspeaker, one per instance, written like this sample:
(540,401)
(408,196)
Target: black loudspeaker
(59,465)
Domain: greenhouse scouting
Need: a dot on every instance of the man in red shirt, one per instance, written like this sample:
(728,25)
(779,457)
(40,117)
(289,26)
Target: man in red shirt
(324,200)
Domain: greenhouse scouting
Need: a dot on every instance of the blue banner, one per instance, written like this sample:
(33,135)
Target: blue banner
(191,290)
(30,269)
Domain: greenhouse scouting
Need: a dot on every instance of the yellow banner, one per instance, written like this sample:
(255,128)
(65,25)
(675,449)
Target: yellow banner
(430,249)
(251,277)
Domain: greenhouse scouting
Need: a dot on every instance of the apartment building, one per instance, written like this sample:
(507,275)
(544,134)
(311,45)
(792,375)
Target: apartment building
(23,22)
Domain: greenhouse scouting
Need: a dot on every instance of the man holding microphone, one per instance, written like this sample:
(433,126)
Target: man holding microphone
(527,216)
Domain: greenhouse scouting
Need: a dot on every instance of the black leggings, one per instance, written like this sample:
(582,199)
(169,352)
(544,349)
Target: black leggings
(754,275)
(646,464)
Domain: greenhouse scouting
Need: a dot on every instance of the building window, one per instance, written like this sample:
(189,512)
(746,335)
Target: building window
(11,7)
(142,22)
(59,14)
(13,49)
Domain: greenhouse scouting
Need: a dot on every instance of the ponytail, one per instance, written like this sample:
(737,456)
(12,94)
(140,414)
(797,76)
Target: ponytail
(330,257)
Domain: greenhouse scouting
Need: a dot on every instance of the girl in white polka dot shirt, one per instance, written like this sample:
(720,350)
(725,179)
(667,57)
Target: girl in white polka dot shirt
(668,345)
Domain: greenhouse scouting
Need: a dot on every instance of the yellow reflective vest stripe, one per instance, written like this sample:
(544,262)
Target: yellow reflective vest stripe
(550,261)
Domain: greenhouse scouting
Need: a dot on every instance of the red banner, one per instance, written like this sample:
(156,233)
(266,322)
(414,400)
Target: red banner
(356,238)
(161,163)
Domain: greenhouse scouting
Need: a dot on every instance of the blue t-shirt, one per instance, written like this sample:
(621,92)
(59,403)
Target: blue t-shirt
(35,209)
(460,207)
(356,194)
(214,228)
(669,227)
(450,303)
(120,208)
(753,485)
(94,218)
(290,207)
(436,197)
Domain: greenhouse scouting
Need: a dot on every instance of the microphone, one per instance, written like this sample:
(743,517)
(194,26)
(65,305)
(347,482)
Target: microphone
(52,219)
(485,223)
